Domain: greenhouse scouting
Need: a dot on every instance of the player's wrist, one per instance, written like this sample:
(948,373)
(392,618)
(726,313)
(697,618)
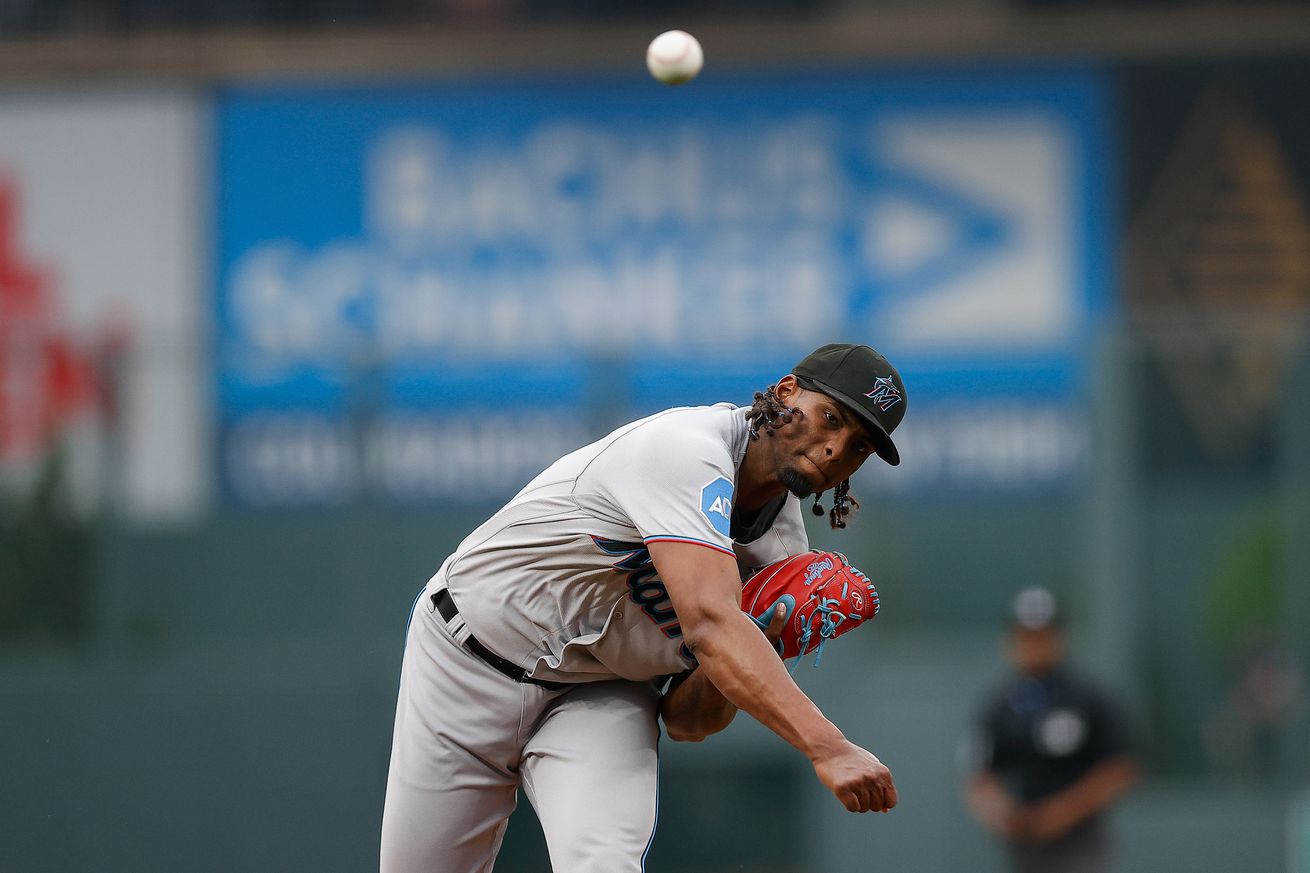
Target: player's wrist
(824,743)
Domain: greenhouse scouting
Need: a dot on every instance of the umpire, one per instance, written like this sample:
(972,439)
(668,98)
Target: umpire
(1051,753)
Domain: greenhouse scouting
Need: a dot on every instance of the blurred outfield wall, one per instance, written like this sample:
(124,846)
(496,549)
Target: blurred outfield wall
(469,272)
(322,328)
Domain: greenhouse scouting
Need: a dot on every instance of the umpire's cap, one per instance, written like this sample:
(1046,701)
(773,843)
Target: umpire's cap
(862,380)
(1036,609)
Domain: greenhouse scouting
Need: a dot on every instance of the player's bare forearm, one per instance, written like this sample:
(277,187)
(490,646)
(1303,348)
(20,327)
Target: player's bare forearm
(741,665)
(694,708)
(706,589)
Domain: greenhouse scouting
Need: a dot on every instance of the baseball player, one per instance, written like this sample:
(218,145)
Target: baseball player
(537,653)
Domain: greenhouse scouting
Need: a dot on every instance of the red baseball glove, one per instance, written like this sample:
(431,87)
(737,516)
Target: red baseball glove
(823,594)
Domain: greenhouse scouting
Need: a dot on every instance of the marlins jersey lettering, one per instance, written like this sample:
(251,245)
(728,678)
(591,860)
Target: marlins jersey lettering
(560,580)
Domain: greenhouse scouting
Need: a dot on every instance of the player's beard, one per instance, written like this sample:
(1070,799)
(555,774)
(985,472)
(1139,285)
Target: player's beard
(795,481)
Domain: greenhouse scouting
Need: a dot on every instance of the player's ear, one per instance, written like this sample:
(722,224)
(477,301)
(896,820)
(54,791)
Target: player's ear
(787,389)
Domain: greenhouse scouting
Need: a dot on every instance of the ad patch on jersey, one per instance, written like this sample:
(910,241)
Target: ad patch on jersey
(716,504)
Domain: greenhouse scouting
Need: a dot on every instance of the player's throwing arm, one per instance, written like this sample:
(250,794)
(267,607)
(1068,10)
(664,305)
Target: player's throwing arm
(705,589)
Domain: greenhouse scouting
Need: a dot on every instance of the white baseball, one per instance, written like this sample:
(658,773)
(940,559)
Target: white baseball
(674,57)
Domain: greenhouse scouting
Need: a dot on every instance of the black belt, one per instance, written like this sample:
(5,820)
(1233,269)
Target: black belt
(446,606)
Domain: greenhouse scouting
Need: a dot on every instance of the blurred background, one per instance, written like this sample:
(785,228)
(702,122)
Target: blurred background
(294,293)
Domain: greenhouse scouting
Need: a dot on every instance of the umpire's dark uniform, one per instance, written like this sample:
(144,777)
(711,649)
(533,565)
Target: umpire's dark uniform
(1039,735)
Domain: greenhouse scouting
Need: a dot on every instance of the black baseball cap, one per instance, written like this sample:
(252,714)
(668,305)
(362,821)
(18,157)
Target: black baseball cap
(863,381)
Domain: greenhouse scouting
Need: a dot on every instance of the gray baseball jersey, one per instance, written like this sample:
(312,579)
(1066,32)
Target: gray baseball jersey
(560,583)
(560,580)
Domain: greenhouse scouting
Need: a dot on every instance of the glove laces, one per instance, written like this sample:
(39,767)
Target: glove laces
(829,619)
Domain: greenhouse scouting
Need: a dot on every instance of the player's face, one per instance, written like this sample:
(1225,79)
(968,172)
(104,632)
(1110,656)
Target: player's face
(823,445)
(1036,652)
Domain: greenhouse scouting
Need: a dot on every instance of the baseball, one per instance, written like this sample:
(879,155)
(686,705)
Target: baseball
(674,57)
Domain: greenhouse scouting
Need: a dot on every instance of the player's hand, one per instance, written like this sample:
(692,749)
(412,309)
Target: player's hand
(1002,816)
(1049,821)
(858,779)
(777,624)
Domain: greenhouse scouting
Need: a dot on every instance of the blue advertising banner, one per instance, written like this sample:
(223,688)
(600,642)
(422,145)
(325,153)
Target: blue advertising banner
(427,291)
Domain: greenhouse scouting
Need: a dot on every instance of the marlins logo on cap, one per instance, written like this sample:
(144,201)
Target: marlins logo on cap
(885,393)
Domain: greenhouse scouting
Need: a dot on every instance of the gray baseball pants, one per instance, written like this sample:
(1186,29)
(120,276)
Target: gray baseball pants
(467,736)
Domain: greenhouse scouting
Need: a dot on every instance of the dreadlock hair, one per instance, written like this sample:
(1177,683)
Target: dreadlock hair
(843,504)
(768,412)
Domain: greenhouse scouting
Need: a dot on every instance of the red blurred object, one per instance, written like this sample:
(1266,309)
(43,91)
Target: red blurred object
(46,382)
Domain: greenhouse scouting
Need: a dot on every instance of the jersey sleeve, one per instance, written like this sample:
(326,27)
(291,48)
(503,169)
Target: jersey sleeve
(671,482)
